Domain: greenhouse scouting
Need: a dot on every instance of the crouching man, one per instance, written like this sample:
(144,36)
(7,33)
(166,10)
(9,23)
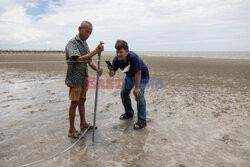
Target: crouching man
(137,77)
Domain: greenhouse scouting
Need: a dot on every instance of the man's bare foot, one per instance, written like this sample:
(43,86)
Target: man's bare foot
(84,125)
(74,134)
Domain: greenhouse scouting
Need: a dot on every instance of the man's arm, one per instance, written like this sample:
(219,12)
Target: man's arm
(86,57)
(137,91)
(94,67)
(137,79)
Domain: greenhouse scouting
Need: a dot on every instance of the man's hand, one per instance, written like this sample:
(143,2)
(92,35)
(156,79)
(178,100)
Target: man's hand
(86,57)
(110,68)
(111,71)
(99,48)
(137,92)
(100,72)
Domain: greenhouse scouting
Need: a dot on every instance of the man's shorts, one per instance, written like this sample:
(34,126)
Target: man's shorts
(76,94)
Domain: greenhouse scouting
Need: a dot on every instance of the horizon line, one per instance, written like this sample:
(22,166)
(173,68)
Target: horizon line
(39,50)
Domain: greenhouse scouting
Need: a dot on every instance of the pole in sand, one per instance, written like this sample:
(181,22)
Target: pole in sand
(96,95)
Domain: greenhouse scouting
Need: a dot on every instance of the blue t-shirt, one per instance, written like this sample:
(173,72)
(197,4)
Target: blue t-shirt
(136,64)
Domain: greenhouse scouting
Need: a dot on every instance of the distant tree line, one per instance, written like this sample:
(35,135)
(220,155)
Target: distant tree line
(30,51)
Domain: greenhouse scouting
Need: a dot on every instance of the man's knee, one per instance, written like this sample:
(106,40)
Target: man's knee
(82,101)
(124,93)
(74,103)
(140,99)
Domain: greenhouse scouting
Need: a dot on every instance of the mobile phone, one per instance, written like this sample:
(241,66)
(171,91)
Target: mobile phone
(108,63)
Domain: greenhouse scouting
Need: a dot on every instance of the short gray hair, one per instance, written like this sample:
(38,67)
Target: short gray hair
(121,44)
(84,23)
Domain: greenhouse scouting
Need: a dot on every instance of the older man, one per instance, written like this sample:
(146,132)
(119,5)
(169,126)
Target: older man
(78,56)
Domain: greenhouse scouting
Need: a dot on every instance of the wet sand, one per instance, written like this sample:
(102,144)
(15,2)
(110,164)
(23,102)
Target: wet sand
(200,117)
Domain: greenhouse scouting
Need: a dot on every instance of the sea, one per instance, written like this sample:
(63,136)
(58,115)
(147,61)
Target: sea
(201,54)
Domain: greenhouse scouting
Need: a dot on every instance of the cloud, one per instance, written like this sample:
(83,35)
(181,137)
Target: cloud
(31,4)
(145,24)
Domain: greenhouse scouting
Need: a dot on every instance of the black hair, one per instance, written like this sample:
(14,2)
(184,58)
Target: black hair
(121,44)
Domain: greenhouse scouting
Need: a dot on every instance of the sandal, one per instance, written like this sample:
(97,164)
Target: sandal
(86,127)
(126,116)
(139,124)
(74,134)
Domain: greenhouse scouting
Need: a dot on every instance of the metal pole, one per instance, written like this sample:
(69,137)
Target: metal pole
(96,96)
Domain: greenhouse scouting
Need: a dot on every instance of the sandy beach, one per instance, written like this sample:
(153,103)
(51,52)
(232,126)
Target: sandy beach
(198,117)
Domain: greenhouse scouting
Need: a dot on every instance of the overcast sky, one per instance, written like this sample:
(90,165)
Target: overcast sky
(147,25)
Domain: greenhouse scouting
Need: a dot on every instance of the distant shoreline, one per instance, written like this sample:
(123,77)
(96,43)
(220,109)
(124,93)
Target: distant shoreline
(175,54)
(62,51)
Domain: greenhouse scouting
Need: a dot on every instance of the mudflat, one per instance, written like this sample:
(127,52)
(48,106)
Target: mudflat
(198,112)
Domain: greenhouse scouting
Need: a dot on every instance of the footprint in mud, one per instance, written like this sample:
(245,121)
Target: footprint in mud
(55,101)
(108,106)
(41,142)
(5,106)
(29,106)
(114,141)
(42,110)
(164,139)
(14,99)
(33,98)
(216,114)
(10,82)
(115,93)
(226,139)
(32,111)
(227,108)
(224,111)
(170,114)
(1,136)
(202,103)
(49,91)
(155,110)
(189,103)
